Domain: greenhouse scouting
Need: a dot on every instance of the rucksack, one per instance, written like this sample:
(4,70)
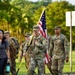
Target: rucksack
(16,44)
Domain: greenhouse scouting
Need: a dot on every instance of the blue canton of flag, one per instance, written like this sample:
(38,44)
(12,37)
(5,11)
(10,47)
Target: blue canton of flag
(42,25)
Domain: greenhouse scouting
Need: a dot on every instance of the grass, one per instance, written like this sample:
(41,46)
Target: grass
(67,65)
(23,69)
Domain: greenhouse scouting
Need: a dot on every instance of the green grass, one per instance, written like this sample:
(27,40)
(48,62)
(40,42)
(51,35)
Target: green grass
(67,65)
(23,69)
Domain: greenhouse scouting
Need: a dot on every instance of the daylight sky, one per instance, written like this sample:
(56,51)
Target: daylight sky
(70,1)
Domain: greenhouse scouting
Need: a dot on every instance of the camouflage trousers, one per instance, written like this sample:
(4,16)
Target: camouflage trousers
(36,63)
(13,67)
(57,66)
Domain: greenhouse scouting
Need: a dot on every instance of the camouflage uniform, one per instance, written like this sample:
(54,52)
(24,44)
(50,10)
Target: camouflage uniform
(38,52)
(28,52)
(58,52)
(23,46)
(12,48)
(12,56)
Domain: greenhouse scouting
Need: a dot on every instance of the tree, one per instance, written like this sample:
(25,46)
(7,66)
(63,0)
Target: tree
(56,12)
(55,16)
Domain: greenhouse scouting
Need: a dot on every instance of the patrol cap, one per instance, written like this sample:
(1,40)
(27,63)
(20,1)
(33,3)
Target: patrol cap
(6,32)
(35,27)
(57,27)
(27,34)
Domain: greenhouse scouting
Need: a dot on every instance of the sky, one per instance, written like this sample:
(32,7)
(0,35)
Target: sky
(70,1)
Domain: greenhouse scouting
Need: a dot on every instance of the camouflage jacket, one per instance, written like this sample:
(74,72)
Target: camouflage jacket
(28,49)
(12,48)
(40,47)
(38,50)
(59,46)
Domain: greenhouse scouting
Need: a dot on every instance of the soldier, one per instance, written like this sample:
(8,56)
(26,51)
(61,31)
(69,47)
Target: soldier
(12,52)
(39,45)
(28,52)
(27,37)
(58,51)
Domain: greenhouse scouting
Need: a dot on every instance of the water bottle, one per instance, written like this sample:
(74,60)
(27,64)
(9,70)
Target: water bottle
(8,68)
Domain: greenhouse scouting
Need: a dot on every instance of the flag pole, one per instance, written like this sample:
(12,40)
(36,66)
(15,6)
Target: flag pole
(42,13)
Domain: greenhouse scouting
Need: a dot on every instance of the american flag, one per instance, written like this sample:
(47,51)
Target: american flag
(42,25)
(43,32)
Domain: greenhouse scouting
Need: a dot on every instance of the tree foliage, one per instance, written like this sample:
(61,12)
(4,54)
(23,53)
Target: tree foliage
(19,16)
(56,16)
